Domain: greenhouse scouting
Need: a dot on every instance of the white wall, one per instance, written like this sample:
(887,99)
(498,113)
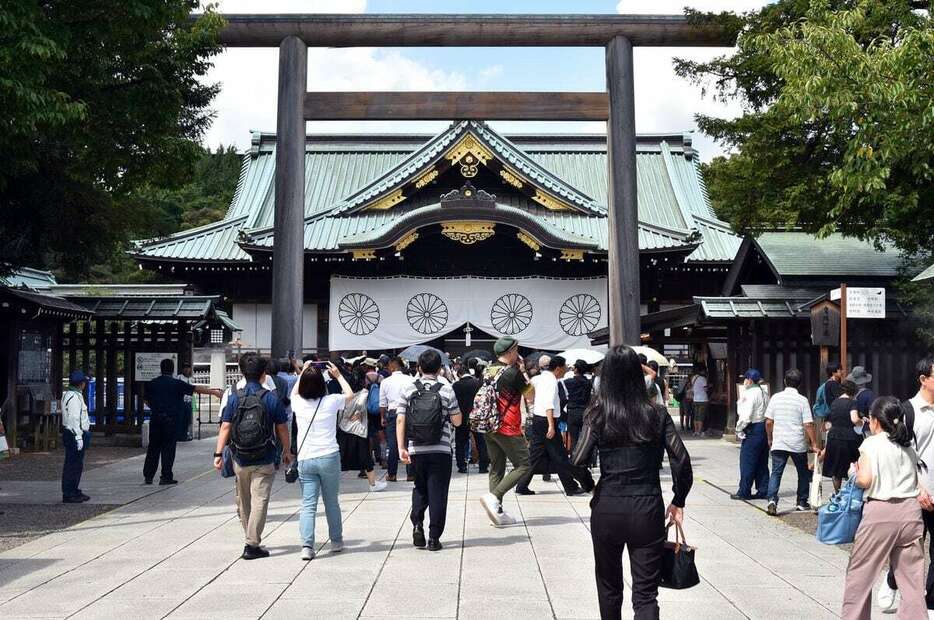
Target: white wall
(256,321)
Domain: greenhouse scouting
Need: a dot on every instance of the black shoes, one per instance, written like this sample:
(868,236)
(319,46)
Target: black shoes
(148,480)
(434,544)
(418,536)
(484,470)
(77,499)
(164,481)
(546,477)
(462,470)
(524,491)
(575,491)
(744,498)
(254,553)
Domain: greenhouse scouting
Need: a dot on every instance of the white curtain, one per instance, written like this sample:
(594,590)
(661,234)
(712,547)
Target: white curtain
(392,313)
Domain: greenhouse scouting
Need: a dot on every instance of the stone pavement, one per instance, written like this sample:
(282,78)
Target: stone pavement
(174,552)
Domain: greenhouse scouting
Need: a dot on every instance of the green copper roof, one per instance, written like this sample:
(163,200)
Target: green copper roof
(834,255)
(344,171)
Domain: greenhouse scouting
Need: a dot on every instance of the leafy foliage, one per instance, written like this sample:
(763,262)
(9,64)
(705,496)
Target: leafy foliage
(102,99)
(838,121)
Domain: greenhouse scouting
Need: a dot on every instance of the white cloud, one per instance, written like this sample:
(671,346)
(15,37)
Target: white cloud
(249,77)
(664,101)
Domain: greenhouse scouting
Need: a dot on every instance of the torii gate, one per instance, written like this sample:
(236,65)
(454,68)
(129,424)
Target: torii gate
(618,34)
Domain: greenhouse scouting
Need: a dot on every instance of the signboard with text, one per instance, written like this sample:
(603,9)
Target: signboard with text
(146,366)
(863,302)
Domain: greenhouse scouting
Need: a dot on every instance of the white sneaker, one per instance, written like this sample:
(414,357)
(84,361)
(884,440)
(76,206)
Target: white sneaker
(886,597)
(505,518)
(493,508)
(308,553)
(337,547)
(379,486)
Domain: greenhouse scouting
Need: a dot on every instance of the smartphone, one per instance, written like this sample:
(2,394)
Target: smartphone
(320,365)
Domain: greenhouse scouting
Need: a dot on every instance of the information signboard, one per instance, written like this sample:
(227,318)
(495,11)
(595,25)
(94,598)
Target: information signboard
(146,365)
(863,302)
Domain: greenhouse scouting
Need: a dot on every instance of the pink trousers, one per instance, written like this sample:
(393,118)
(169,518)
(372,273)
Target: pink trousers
(890,530)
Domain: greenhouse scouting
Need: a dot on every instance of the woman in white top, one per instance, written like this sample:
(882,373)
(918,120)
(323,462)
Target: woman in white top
(891,528)
(315,413)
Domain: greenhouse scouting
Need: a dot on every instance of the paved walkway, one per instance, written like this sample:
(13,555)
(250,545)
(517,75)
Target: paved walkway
(174,552)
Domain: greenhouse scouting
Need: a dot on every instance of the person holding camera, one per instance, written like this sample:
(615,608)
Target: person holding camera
(315,413)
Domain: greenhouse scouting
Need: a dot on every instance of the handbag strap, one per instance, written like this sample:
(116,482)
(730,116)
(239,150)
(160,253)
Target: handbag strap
(679,535)
(305,436)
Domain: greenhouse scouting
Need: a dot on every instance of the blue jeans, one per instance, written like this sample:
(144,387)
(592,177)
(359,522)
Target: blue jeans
(320,476)
(393,463)
(754,461)
(779,460)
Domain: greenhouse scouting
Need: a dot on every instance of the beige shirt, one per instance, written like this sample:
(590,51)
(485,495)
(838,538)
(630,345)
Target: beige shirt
(894,468)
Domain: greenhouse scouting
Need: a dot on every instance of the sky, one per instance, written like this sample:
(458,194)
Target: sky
(664,102)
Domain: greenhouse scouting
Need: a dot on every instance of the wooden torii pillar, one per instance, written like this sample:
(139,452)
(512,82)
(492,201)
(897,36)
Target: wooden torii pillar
(618,34)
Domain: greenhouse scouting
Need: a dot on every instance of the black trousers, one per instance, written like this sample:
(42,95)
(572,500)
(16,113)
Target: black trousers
(462,435)
(928,518)
(541,448)
(74,463)
(637,523)
(432,479)
(163,436)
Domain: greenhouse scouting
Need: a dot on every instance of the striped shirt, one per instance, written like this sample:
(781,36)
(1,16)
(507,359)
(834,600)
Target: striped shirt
(789,411)
(449,407)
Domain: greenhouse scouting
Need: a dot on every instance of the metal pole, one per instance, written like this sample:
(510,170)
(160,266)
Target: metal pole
(623,217)
(288,257)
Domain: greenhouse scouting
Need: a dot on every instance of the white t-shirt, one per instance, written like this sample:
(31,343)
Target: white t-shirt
(699,388)
(391,389)
(924,438)
(894,468)
(789,411)
(322,438)
(546,394)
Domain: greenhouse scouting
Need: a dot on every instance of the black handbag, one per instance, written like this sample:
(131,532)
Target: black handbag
(291,474)
(678,569)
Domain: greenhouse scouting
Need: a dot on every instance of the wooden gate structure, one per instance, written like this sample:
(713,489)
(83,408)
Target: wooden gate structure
(618,34)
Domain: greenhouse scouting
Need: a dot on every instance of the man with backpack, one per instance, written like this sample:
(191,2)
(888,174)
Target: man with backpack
(497,412)
(427,410)
(252,419)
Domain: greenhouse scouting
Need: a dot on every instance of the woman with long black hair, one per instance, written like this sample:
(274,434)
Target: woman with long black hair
(631,434)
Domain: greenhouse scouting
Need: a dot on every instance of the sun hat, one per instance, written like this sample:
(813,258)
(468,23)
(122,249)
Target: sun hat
(859,376)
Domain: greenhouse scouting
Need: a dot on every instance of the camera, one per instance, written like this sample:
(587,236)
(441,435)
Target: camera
(291,474)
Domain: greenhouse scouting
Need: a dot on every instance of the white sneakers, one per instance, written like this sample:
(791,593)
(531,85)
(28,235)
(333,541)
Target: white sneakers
(379,486)
(887,598)
(494,510)
(308,553)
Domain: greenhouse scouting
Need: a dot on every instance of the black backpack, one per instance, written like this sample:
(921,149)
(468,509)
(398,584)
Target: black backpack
(424,418)
(251,427)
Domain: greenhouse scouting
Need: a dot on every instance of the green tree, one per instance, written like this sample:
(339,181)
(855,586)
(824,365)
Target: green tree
(837,125)
(100,99)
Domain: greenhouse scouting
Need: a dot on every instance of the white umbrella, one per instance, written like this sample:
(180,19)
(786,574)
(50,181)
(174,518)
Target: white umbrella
(651,354)
(588,355)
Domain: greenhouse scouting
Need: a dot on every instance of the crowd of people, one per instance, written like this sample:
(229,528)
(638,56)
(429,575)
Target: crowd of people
(318,418)
(882,443)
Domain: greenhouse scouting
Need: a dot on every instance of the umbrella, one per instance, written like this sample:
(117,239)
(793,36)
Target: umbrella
(411,354)
(588,355)
(482,354)
(651,354)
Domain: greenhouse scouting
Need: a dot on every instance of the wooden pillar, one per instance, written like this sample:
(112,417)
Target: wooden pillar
(112,375)
(128,388)
(100,417)
(288,257)
(622,216)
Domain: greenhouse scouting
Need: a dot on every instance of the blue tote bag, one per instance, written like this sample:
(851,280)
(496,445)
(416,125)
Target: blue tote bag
(838,519)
